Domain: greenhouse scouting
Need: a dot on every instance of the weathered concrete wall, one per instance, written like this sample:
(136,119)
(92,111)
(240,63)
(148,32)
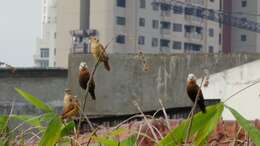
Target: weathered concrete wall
(226,83)
(46,84)
(166,79)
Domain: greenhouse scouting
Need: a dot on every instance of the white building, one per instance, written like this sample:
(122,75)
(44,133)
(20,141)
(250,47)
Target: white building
(156,26)
(139,25)
(46,48)
(224,84)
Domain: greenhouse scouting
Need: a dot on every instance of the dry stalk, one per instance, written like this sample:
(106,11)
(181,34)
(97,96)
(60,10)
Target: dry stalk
(190,117)
(165,114)
(147,122)
(243,89)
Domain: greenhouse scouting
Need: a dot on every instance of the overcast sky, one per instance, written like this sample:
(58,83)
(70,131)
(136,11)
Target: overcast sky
(20,22)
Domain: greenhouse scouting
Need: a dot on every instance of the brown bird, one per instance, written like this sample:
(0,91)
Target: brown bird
(99,52)
(84,75)
(193,89)
(71,105)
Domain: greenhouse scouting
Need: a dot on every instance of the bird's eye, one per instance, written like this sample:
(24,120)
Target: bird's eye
(70,100)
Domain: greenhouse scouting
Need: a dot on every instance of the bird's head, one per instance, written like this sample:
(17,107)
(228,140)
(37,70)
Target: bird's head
(83,65)
(191,77)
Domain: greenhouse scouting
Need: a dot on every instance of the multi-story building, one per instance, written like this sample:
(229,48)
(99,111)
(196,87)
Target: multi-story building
(46,48)
(153,26)
(156,26)
(242,40)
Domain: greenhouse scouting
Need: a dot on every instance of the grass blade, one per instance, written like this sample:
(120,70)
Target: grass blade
(34,100)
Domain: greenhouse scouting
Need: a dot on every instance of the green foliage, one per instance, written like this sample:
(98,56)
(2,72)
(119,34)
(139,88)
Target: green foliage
(67,129)
(53,132)
(253,133)
(3,123)
(130,141)
(34,101)
(209,125)
(200,122)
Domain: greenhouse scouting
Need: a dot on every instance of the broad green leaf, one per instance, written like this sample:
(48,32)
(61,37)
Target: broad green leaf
(209,126)
(34,100)
(107,142)
(177,136)
(52,134)
(67,129)
(130,141)
(253,133)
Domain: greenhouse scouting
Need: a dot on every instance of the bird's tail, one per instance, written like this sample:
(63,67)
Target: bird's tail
(92,94)
(202,106)
(107,65)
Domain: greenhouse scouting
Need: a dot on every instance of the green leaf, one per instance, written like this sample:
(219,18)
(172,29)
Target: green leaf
(253,133)
(31,120)
(52,134)
(3,123)
(130,141)
(106,141)
(67,129)
(34,100)
(209,126)
(177,136)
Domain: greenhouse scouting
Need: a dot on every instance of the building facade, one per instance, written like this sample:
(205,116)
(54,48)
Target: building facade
(150,26)
(242,40)
(156,26)
(45,55)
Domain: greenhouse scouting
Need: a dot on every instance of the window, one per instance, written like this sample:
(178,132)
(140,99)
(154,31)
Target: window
(120,20)
(211,49)
(220,39)
(211,32)
(177,27)
(192,47)
(120,39)
(141,40)
(243,3)
(165,7)
(44,63)
(176,45)
(189,11)
(164,43)
(155,24)
(142,3)
(243,38)
(177,9)
(155,6)
(141,22)
(44,52)
(154,42)
(121,3)
(165,25)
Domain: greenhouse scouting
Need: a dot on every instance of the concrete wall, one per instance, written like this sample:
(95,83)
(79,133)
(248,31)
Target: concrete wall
(46,84)
(166,79)
(227,82)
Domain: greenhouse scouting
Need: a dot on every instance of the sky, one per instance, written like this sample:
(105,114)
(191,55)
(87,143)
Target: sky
(20,25)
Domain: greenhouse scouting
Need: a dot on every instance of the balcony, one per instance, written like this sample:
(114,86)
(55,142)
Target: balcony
(165,31)
(194,36)
(39,58)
